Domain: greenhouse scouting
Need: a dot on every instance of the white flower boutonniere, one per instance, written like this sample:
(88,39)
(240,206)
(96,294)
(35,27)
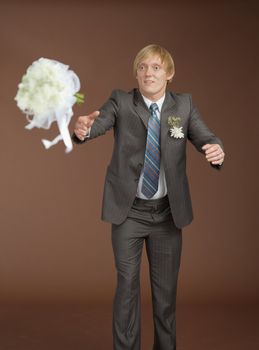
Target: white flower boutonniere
(175,129)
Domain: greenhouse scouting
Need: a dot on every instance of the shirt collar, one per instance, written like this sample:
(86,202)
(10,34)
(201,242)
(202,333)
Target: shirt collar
(158,102)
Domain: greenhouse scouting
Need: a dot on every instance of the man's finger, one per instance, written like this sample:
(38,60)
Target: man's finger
(79,135)
(207,146)
(93,115)
(213,158)
(82,131)
(211,148)
(213,153)
(84,119)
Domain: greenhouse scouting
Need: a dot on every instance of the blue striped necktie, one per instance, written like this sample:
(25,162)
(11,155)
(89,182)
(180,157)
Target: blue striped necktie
(152,155)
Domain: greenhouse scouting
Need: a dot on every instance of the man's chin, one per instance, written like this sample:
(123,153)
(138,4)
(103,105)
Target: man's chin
(148,90)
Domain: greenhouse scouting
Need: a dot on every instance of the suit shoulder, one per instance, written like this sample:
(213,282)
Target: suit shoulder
(120,96)
(121,93)
(181,97)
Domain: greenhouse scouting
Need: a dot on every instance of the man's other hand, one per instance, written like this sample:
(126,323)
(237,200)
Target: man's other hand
(214,153)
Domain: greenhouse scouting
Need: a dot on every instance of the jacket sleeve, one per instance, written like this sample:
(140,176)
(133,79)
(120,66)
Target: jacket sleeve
(199,134)
(106,119)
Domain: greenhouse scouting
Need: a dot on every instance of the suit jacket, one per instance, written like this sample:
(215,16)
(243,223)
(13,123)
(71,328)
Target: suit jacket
(127,114)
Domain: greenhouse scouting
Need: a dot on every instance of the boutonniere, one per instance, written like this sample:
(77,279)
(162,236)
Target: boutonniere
(175,129)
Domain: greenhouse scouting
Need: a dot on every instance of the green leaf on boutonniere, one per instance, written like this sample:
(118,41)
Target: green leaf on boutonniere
(174,121)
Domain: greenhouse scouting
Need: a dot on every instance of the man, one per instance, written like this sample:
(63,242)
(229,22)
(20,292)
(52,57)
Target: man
(146,193)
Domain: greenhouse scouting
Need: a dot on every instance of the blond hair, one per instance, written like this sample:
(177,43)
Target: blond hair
(154,50)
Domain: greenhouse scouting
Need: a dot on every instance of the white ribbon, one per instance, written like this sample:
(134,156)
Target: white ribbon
(63,120)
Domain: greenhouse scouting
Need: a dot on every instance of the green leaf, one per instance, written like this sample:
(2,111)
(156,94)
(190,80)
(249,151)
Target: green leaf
(80,98)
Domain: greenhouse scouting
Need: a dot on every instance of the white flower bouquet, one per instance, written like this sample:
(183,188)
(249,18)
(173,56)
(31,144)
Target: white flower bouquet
(46,94)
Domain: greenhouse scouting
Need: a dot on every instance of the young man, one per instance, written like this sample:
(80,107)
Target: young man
(146,194)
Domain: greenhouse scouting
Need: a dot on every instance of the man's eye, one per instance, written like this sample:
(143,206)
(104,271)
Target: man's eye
(156,67)
(141,67)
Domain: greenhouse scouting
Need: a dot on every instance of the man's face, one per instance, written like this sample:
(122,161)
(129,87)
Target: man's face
(152,78)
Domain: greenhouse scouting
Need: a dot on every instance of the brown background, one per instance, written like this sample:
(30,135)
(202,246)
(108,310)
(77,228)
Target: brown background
(53,246)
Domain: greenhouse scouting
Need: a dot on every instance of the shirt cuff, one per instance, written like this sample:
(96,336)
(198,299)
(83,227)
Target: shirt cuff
(88,134)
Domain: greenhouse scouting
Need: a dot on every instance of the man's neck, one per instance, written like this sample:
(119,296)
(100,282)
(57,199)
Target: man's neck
(153,98)
(159,102)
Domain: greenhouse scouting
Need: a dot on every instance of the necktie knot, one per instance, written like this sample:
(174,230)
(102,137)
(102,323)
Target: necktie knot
(153,107)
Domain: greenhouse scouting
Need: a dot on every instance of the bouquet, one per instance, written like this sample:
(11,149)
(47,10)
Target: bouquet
(46,94)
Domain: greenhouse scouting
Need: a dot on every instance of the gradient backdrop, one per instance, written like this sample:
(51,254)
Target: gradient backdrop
(53,246)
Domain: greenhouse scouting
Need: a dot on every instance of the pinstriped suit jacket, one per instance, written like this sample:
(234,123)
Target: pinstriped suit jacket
(128,115)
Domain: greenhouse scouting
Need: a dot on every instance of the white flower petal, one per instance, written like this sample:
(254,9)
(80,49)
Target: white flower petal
(177,132)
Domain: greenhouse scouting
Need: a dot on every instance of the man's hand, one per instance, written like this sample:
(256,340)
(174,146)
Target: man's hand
(214,153)
(83,124)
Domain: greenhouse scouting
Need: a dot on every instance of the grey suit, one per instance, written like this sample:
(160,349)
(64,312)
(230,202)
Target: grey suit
(128,115)
(156,222)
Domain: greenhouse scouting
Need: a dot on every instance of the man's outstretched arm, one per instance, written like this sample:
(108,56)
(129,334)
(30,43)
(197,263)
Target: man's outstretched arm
(99,121)
(204,140)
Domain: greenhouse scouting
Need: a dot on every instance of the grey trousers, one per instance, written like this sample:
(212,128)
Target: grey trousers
(150,221)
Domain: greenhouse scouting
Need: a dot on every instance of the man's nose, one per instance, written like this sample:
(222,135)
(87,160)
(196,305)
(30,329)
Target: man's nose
(148,70)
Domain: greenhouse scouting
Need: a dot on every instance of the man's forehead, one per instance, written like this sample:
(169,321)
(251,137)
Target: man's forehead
(151,59)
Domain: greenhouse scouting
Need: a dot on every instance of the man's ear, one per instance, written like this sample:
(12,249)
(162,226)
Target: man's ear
(170,78)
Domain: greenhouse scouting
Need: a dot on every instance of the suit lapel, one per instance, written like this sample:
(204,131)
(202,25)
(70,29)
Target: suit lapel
(140,107)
